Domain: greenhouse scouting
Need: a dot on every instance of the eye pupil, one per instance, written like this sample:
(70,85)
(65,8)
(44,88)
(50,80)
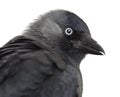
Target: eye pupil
(68,31)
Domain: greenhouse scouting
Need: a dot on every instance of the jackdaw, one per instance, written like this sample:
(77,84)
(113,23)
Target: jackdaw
(44,60)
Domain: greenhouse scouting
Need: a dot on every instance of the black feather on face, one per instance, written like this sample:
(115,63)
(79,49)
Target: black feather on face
(67,32)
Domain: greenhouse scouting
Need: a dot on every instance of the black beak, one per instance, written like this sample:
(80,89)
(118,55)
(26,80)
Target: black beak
(88,46)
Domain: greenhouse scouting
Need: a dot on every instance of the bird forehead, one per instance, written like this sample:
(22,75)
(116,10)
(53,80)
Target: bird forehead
(59,20)
(68,19)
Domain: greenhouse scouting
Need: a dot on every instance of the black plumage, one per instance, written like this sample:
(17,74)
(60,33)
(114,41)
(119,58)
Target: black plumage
(44,61)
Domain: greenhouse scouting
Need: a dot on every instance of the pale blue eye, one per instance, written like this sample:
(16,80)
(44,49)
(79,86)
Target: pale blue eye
(68,31)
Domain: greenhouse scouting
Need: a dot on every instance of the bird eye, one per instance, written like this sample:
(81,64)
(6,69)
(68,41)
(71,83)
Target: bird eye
(68,31)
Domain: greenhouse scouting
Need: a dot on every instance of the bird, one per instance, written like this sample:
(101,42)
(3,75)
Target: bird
(45,60)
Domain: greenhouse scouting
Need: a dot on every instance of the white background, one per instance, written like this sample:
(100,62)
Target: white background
(101,74)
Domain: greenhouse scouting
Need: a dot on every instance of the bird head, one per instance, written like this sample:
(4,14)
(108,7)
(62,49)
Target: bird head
(66,32)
